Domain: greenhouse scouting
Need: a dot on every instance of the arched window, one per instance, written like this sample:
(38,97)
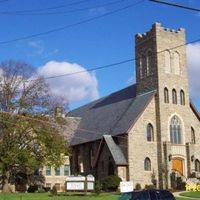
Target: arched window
(166,95)
(147,164)
(167,62)
(182,97)
(144,64)
(192,136)
(149,62)
(176,63)
(174,96)
(140,67)
(197,165)
(150,135)
(175,130)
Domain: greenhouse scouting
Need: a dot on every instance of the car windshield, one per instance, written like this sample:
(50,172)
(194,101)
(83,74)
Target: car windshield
(129,196)
(125,196)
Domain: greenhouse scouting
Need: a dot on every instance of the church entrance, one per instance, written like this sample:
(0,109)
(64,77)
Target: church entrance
(177,177)
(177,166)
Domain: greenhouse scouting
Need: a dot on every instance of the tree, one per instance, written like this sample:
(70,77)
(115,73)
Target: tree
(29,136)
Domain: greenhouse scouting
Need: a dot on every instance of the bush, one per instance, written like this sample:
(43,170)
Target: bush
(32,188)
(41,190)
(111,183)
(47,189)
(54,191)
(192,175)
(138,186)
(151,186)
(98,187)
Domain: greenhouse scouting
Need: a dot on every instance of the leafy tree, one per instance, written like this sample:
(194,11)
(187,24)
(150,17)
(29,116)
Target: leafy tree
(29,135)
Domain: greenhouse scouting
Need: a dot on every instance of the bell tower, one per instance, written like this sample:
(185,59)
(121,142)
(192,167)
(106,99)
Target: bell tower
(161,63)
(161,66)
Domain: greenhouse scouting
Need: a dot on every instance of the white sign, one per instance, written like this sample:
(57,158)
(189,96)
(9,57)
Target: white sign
(75,185)
(80,182)
(90,185)
(126,186)
(75,178)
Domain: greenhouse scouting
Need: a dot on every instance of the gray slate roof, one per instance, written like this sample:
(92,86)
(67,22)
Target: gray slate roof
(115,150)
(110,115)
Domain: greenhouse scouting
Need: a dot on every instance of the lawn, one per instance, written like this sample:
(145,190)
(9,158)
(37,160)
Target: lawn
(46,196)
(191,194)
(102,196)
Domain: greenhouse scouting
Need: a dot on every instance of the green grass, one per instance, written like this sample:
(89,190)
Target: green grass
(46,196)
(191,194)
(72,196)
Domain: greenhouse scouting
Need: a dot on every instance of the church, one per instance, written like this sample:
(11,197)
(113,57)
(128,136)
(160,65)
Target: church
(148,131)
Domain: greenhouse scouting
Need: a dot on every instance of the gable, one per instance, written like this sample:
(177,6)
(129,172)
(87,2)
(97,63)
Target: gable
(194,110)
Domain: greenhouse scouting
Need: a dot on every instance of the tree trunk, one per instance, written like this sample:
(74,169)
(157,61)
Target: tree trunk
(6,185)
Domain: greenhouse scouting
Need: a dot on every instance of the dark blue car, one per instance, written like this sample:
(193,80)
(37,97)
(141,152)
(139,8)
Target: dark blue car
(147,195)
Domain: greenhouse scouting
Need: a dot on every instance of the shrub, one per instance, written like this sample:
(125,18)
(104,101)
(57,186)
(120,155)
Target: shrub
(180,184)
(192,175)
(47,189)
(151,186)
(138,186)
(32,188)
(54,190)
(41,190)
(111,183)
(98,187)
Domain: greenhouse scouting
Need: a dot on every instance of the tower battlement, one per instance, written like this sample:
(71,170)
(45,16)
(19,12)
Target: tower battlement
(157,27)
(152,68)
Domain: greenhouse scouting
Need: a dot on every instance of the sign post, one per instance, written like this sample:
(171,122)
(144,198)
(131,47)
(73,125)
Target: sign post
(126,186)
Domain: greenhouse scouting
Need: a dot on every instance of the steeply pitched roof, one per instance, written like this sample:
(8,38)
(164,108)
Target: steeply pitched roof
(115,151)
(192,106)
(110,115)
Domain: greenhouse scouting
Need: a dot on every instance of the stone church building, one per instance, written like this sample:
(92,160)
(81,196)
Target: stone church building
(149,130)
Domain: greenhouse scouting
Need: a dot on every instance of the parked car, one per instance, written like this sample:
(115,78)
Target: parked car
(147,195)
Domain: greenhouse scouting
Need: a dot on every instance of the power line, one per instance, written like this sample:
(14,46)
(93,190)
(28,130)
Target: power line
(92,69)
(176,5)
(71,25)
(3,1)
(112,64)
(61,12)
(116,63)
(43,9)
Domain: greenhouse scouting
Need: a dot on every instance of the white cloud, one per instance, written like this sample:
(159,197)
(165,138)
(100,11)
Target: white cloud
(97,11)
(52,53)
(131,80)
(193,56)
(73,87)
(37,46)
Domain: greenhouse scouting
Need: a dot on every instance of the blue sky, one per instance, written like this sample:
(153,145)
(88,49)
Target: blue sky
(90,37)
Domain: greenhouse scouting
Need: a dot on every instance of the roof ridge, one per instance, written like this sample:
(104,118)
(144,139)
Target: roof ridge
(104,97)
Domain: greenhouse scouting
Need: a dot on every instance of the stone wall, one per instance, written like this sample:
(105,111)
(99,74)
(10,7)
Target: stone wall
(139,148)
(159,40)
